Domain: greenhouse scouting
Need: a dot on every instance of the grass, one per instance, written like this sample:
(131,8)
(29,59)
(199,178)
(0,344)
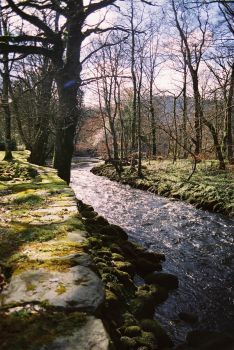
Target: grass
(27,329)
(209,188)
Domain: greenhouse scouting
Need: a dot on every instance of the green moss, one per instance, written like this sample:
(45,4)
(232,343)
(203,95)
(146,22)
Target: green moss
(26,330)
(28,200)
(132,331)
(127,343)
(147,339)
(30,287)
(154,327)
(61,289)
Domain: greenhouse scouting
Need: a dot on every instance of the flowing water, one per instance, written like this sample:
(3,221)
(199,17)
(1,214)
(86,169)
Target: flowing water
(198,246)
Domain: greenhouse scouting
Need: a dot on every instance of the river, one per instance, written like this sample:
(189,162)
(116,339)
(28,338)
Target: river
(198,246)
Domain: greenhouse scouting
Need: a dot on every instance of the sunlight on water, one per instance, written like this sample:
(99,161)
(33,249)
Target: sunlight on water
(197,244)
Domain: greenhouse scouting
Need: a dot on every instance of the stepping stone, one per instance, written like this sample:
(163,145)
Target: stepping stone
(78,287)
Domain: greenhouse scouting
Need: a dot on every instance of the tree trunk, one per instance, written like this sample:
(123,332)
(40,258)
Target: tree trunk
(185,113)
(40,144)
(134,82)
(152,117)
(66,126)
(68,84)
(216,144)
(230,119)
(6,108)
(198,114)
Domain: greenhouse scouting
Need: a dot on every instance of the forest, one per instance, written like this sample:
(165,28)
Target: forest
(160,77)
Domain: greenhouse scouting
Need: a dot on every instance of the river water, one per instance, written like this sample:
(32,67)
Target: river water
(198,246)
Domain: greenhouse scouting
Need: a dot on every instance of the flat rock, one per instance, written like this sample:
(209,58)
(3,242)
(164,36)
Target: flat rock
(77,236)
(92,336)
(77,287)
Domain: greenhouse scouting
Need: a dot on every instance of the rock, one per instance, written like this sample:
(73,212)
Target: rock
(162,337)
(188,317)
(77,287)
(95,224)
(88,214)
(147,339)
(207,340)
(77,236)
(124,266)
(163,279)
(115,231)
(92,336)
(127,343)
(82,206)
(112,300)
(142,307)
(152,257)
(132,331)
(144,266)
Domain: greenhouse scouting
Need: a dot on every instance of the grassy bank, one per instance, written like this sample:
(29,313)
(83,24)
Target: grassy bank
(209,188)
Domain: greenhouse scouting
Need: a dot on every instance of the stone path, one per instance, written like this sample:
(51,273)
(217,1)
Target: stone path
(54,272)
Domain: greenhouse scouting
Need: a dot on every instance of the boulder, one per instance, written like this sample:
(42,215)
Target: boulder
(115,231)
(163,279)
(77,287)
(161,336)
(145,266)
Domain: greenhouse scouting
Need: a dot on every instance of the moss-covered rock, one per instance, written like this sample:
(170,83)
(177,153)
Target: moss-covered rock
(129,319)
(144,266)
(142,307)
(127,343)
(124,266)
(161,336)
(132,331)
(147,339)
(115,231)
(117,257)
(88,214)
(163,279)
(111,300)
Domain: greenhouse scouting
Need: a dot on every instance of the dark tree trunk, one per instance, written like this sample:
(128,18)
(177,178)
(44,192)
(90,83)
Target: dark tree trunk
(65,129)
(198,114)
(6,108)
(39,147)
(134,82)
(68,83)
(185,113)
(152,117)
(230,119)
(216,144)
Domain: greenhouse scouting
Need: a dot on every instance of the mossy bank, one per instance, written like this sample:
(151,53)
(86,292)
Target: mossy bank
(209,188)
(49,295)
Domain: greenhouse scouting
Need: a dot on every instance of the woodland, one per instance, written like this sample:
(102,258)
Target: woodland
(157,75)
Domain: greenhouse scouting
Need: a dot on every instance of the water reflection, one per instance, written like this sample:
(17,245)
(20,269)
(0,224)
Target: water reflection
(197,244)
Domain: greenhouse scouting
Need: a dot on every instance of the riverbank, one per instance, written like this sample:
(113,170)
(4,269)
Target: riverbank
(208,189)
(67,277)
